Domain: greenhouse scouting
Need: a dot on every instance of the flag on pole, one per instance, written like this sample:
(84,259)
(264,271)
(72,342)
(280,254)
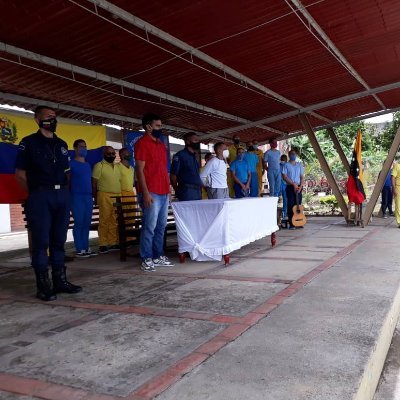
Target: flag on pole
(355,183)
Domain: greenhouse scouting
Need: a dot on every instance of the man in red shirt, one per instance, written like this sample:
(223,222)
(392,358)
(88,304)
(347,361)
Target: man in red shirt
(153,192)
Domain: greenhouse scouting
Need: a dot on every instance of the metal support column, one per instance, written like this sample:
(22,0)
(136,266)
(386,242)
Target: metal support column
(381,178)
(339,149)
(324,164)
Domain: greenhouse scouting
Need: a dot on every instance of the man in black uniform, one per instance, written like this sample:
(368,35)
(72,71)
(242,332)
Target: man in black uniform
(184,174)
(41,169)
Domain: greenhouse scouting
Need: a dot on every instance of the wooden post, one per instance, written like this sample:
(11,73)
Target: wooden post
(339,149)
(324,164)
(381,178)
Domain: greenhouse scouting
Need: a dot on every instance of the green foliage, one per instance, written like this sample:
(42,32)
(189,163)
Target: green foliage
(331,202)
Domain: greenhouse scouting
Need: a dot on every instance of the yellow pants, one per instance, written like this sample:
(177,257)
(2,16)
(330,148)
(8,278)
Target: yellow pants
(108,232)
(230,185)
(397,205)
(259,173)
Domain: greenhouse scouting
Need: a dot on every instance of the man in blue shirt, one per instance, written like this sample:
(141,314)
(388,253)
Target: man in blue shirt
(252,160)
(293,174)
(41,169)
(81,198)
(271,165)
(387,196)
(185,170)
(241,174)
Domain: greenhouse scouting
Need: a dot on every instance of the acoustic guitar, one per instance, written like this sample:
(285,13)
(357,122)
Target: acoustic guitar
(298,219)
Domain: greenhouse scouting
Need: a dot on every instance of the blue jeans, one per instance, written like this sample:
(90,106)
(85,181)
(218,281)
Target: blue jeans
(274,179)
(47,214)
(154,221)
(82,209)
(387,199)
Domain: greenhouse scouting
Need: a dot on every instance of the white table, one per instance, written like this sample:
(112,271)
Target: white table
(211,229)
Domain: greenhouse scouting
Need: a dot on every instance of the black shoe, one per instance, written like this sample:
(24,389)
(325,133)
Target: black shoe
(44,290)
(60,283)
(103,250)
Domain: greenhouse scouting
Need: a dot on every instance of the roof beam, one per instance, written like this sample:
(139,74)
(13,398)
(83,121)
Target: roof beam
(313,107)
(74,69)
(327,42)
(245,81)
(65,107)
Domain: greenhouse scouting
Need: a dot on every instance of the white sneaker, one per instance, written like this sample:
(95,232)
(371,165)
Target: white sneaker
(91,253)
(163,261)
(82,254)
(147,265)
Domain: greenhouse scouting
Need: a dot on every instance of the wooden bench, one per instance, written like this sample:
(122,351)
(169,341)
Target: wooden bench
(129,220)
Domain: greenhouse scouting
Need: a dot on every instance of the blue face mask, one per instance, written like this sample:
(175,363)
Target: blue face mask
(156,133)
(240,156)
(283,162)
(82,153)
(293,157)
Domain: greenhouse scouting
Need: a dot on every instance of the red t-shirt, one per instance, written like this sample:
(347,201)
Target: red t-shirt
(154,154)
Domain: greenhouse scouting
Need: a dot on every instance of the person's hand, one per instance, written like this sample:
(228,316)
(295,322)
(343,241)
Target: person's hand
(147,200)
(299,188)
(243,186)
(296,188)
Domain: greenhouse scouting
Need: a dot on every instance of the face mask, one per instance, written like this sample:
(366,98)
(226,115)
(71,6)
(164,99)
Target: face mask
(240,156)
(274,145)
(225,153)
(128,158)
(250,148)
(82,153)
(236,141)
(293,157)
(156,133)
(109,159)
(48,124)
(194,145)
(283,162)
(255,145)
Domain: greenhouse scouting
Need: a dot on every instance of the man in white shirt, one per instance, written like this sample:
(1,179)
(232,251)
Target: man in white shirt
(215,171)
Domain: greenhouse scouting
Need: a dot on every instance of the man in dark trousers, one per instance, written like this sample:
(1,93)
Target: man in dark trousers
(184,174)
(41,169)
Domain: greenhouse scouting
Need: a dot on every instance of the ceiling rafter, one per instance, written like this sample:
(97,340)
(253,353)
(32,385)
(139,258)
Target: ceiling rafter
(247,82)
(324,39)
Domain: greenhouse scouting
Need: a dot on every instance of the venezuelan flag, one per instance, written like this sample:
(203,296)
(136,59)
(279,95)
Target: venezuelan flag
(355,183)
(13,128)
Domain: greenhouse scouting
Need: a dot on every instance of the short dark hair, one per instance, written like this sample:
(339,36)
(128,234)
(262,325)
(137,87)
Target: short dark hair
(149,118)
(123,149)
(293,151)
(189,135)
(283,157)
(40,108)
(77,141)
(217,146)
(207,156)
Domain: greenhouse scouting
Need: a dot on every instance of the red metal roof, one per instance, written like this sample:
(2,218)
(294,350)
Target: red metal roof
(267,42)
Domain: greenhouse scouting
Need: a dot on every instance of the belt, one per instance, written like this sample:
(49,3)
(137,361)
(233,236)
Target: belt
(50,187)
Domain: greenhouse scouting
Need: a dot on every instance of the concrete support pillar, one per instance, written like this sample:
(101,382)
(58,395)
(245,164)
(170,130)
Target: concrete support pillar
(324,164)
(339,149)
(381,178)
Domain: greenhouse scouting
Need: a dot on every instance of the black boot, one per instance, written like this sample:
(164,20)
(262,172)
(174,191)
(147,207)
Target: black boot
(60,283)
(44,290)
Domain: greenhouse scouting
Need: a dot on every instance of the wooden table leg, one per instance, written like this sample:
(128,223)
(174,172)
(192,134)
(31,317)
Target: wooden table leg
(273,239)
(226,259)
(182,257)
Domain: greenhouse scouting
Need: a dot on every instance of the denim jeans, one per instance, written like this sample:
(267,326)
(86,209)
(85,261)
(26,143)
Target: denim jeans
(254,185)
(154,221)
(82,209)
(387,199)
(274,179)
(284,198)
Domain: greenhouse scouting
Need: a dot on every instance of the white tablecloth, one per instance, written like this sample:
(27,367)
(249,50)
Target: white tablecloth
(208,229)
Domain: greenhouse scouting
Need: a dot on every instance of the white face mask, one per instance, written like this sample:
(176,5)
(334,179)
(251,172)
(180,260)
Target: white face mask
(225,154)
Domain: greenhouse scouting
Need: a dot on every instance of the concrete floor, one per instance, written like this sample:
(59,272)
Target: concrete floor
(298,321)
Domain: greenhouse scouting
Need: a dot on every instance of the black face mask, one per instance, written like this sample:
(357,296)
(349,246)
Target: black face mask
(250,148)
(194,146)
(109,159)
(48,124)
(236,141)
